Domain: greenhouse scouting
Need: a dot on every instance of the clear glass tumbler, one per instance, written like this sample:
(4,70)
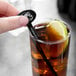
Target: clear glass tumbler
(56,51)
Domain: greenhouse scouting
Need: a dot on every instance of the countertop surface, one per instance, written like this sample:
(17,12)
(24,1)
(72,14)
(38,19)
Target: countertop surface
(15,56)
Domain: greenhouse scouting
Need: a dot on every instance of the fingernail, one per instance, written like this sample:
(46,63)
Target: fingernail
(23,20)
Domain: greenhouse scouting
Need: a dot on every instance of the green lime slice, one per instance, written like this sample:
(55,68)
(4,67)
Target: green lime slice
(57,30)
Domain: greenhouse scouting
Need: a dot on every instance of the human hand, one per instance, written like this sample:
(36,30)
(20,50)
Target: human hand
(8,18)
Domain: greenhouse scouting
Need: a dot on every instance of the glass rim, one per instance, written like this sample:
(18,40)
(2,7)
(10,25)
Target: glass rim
(54,42)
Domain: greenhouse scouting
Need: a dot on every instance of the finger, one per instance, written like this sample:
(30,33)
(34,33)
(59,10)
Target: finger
(7,9)
(11,23)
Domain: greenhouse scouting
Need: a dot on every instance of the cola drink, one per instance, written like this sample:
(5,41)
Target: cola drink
(56,53)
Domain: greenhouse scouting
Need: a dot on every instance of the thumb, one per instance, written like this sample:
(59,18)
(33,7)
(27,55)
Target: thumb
(13,22)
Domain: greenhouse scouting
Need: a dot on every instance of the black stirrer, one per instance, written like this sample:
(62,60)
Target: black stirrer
(31,16)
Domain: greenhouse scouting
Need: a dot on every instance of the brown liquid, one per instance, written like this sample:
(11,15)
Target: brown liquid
(57,54)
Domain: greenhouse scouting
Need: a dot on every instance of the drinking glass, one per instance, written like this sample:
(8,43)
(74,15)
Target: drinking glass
(56,51)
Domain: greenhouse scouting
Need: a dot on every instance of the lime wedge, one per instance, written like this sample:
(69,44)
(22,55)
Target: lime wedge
(57,30)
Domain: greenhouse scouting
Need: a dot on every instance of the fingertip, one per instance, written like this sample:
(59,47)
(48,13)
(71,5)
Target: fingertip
(23,20)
